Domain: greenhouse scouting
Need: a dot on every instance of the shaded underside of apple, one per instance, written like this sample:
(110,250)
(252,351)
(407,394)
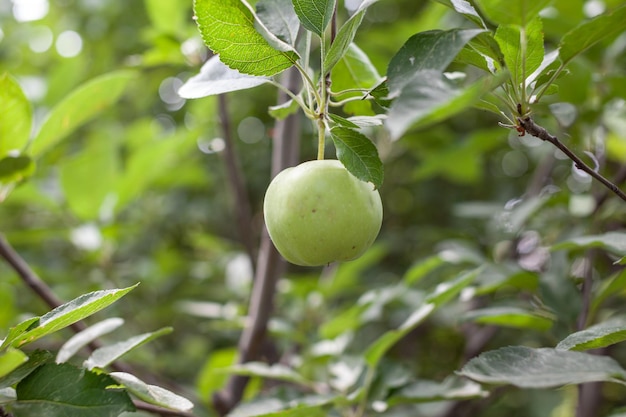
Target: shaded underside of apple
(317,213)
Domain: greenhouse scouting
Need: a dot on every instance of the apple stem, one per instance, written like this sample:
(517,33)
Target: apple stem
(321,138)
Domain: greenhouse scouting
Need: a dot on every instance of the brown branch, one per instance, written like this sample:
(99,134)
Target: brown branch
(269,263)
(534,129)
(236,181)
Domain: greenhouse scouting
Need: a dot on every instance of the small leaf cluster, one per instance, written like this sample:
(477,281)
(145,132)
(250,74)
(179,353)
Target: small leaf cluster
(35,383)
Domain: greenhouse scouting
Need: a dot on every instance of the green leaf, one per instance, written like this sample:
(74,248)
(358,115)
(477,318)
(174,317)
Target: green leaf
(18,330)
(315,15)
(35,360)
(420,269)
(104,356)
(284,110)
(452,388)
(11,359)
(345,36)
(81,105)
(431,98)
(354,70)
(598,336)
(152,394)
(216,78)
(277,372)
(522,48)
(431,50)
(541,368)
(466,9)
(79,340)
(229,28)
(589,33)
(507,12)
(76,173)
(358,154)
(15,116)
(15,168)
(444,292)
(614,242)
(7,395)
(64,390)
(71,312)
(509,317)
(280,18)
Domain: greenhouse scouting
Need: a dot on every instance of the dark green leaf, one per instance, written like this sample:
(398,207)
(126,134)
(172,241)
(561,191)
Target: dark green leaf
(64,390)
(216,78)
(15,168)
(35,360)
(431,98)
(430,51)
(427,391)
(342,121)
(79,340)
(541,368)
(381,94)
(11,359)
(152,394)
(15,116)
(597,336)
(229,28)
(589,33)
(104,356)
(80,106)
(71,312)
(509,317)
(315,15)
(280,18)
(507,12)
(358,154)
(345,36)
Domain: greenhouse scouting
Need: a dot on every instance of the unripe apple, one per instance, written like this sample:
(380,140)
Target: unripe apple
(317,213)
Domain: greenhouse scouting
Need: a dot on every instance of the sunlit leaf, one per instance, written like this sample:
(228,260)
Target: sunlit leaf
(507,12)
(11,359)
(81,105)
(315,15)
(465,8)
(64,390)
(71,312)
(522,48)
(541,368)
(152,394)
(15,116)
(358,154)
(229,28)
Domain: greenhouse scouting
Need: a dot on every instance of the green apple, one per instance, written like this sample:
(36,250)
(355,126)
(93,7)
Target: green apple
(317,213)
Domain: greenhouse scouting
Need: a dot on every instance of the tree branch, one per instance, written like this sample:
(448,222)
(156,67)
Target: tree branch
(535,130)
(269,263)
(236,180)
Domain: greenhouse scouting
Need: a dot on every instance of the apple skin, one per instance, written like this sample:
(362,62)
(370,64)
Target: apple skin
(317,213)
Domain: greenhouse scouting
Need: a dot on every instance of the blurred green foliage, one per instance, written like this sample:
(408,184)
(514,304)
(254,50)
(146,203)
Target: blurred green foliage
(139,194)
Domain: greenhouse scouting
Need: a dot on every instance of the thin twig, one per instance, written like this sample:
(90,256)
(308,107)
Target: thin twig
(269,264)
(535,130)
(236,181)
